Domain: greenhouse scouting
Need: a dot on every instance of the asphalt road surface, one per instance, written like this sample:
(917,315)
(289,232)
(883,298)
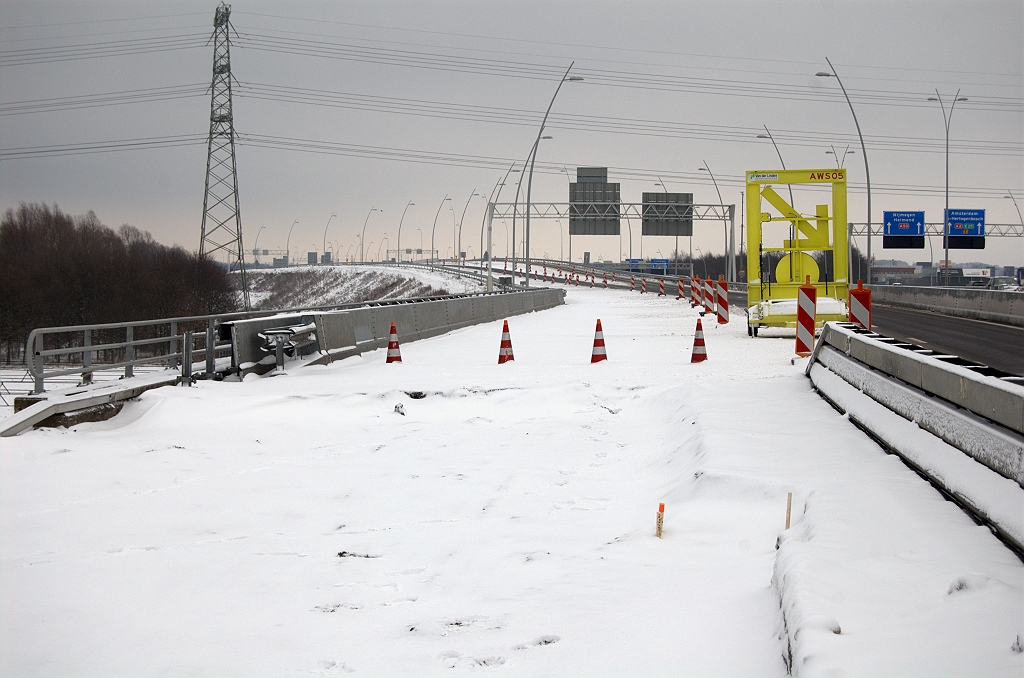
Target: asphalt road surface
(995,345)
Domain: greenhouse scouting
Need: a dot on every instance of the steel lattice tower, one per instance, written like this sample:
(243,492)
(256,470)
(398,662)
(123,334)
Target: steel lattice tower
(222,218)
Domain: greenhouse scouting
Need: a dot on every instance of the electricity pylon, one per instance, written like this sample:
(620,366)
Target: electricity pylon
(222,218)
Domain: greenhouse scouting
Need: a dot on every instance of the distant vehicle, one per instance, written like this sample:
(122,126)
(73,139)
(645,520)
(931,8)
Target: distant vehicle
(1001,282)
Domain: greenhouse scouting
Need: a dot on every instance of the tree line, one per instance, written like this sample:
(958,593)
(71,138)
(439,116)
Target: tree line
(57,270)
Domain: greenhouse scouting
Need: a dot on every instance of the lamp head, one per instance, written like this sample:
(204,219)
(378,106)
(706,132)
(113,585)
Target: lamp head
(961,98)
(547,136)
(933,98)
(574,78)
(763,136)
(823,74)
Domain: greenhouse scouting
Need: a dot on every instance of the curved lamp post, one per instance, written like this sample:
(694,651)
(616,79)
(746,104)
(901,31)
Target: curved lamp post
(446,199)
(864,152)
(399,245)
(945,218)
(492,199)
(382,241)
(768,135)
(325,231)
(839,162)
(458,244)
(533,160)
(362,238)
(1010,196)
(288,242)
(255,245)
(725,226)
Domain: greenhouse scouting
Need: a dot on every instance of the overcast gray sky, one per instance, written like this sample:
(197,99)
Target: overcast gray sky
(412,101)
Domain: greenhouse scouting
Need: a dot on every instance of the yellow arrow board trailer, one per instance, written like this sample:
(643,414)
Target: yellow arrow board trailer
(814,246)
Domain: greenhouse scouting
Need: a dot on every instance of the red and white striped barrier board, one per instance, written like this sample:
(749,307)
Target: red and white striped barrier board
(700,353)
(661,287)
(604,280)
(860,306)
(505,350)
(632,283)
(723,301)
(599,354)
(680,294)
(807,299)
(643,285)
(709,296)
(394,355)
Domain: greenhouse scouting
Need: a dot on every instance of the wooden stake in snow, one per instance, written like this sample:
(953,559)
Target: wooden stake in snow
(661,521)
(789,508)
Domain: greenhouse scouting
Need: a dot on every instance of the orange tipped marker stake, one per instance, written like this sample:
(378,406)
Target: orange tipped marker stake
(394,355)
(505,351)
(661,521)
(599,354)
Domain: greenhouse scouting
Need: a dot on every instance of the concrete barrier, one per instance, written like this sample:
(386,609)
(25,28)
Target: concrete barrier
(349,332)
(953,402)
(991,305)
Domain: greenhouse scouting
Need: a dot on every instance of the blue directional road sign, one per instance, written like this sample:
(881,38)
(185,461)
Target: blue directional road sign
(903,223)
(966,222)
(634,264)
(659,263)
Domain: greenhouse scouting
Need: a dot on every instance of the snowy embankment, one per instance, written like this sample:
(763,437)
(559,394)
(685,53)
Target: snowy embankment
(333,285)
(299,525)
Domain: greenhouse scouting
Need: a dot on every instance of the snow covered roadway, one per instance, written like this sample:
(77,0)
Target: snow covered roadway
(298,525)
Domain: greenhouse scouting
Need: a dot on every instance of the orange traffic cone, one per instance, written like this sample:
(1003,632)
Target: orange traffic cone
(394,355)
(505,352)
(598,355)
(700,354)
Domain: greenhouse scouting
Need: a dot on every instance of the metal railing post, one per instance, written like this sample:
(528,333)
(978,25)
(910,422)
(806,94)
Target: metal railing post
(37,356)
(129,352)
(87,357)
(186,359)
(211,358)
(172,347)
(279,349)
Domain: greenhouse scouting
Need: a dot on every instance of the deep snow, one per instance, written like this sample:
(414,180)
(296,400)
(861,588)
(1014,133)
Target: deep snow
(504,523)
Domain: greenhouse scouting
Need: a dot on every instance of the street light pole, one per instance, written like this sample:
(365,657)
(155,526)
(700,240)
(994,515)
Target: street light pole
(458,245)
(533,160)
(863,150)
(946,119)
(490,200)
(362,239)
(446,199)
(325,231)
(288,243)
(399,246)
(1008,195)
(768,135)
(725,226)
(839,163)
(255,245)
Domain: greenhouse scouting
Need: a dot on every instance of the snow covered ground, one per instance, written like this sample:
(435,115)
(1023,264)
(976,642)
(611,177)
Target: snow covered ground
(298,525)
(275,288)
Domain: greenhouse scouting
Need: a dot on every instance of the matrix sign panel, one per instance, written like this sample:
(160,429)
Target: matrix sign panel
(668,214)
(903,230)
(593,208)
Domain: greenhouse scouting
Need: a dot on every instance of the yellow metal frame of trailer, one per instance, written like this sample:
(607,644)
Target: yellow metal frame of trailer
(824,231)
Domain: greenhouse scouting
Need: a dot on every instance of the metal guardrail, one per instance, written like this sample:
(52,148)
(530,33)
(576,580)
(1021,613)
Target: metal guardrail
(166,346)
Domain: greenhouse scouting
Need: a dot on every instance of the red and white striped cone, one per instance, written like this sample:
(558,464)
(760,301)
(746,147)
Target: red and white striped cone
(394,355)
(679,294)
(643,285)
(860,306)
(807,299)
(632,283)
(709,296)
(723,300)
(505,351)
(599,354)
(661,287)
(700,353)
